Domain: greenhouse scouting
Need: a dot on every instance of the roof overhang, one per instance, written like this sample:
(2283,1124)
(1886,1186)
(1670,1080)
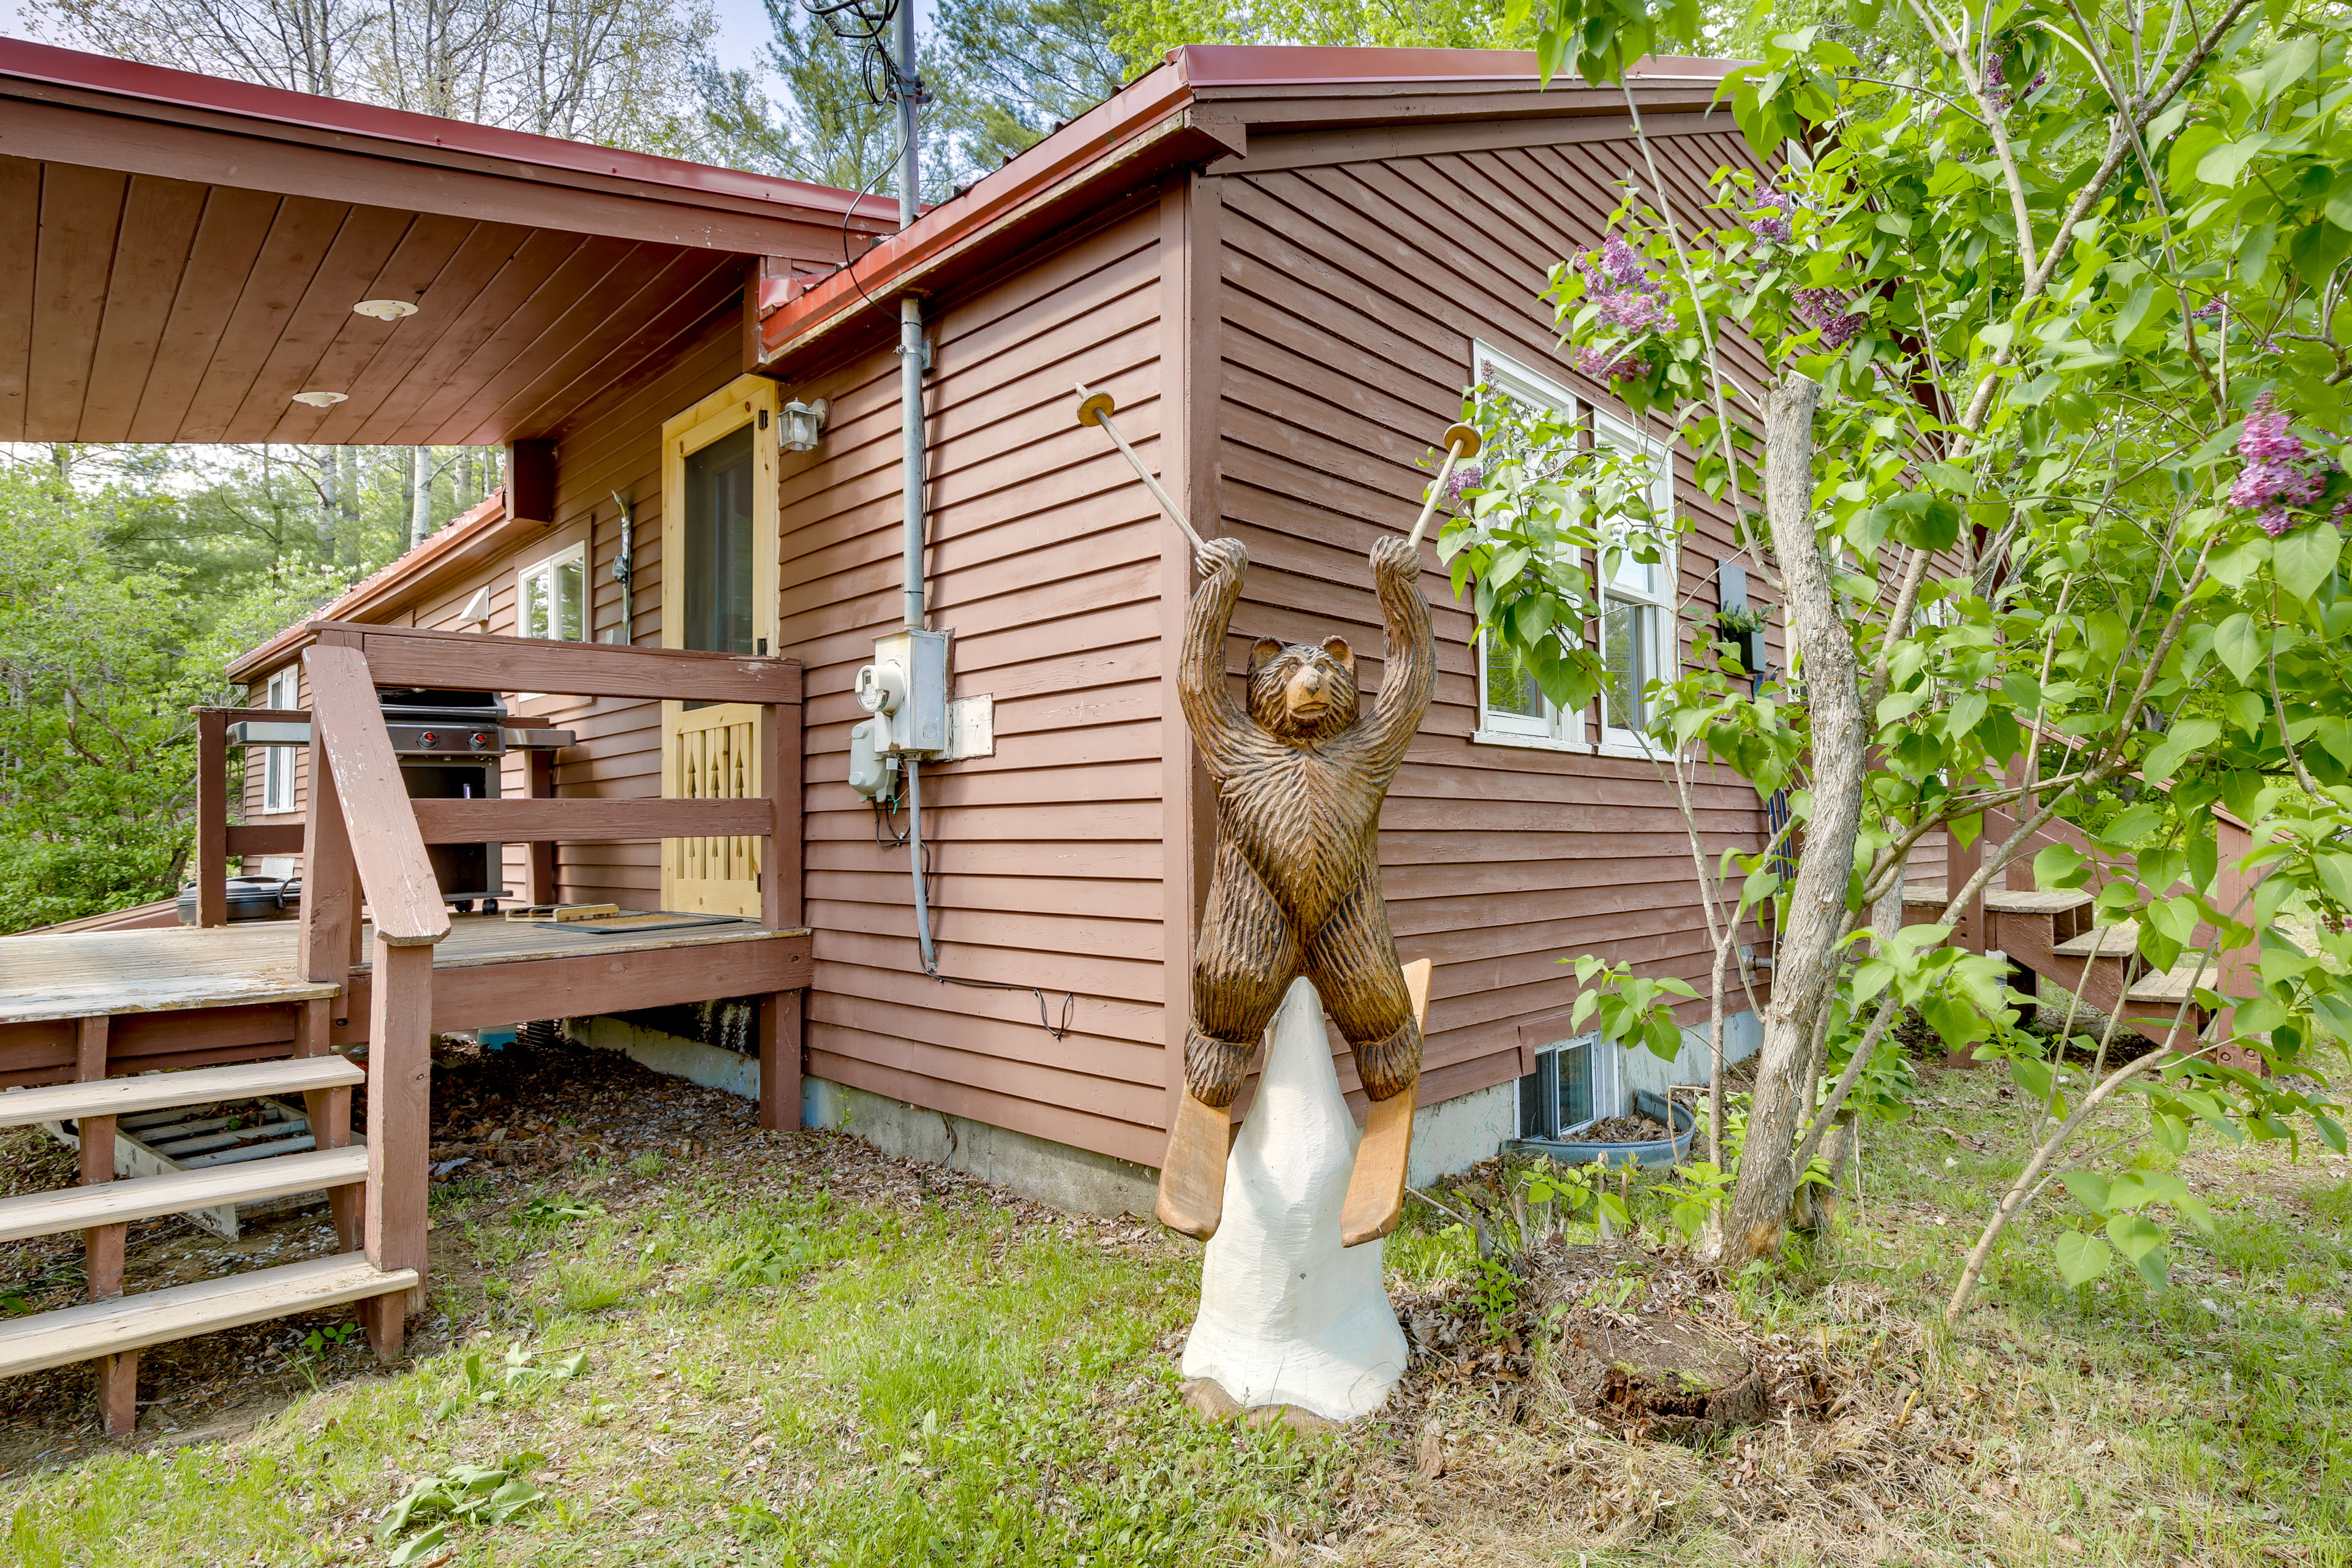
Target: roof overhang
(1206,107)
(189,249)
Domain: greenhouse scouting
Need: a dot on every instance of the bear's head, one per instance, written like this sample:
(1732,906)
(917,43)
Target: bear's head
(1303,693)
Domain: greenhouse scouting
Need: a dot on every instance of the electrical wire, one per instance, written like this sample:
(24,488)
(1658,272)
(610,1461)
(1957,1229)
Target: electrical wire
(919,862)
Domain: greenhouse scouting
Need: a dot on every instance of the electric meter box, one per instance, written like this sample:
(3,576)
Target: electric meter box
(920,725)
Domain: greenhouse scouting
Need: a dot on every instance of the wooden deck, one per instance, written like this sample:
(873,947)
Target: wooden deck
(84,974)
(199,997)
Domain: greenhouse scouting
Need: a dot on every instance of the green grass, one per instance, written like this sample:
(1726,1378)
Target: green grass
(785,1379)
(783,1370)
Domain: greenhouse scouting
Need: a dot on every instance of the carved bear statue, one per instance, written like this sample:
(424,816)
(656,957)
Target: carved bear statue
(1300,774)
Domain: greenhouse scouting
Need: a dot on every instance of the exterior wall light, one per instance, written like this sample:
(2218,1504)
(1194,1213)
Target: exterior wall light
(384,310)
(801,424)
(319,399)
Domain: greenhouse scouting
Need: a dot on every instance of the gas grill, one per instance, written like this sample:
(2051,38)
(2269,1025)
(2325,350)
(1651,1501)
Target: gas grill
(449,744)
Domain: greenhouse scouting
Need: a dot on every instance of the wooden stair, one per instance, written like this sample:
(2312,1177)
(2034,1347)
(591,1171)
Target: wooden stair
(2051,934)
(113,1328)
(146,1197)
(164,1090)
(125,1324)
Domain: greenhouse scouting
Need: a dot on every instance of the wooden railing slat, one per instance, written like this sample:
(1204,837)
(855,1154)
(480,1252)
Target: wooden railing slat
(377,819)
(519,820)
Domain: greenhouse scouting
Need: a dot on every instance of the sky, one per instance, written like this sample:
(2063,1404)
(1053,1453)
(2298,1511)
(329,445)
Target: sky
(742,26)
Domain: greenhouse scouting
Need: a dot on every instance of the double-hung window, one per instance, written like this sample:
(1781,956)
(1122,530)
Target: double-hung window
(283,691)
(1512,709)
(1638,643)
(552,596)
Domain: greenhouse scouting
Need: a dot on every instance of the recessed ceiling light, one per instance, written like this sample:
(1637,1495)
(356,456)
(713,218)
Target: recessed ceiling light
(319,399)
(385,309)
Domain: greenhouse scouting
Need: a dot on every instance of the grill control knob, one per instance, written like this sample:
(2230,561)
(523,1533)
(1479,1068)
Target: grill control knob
(479,739)
(428,739)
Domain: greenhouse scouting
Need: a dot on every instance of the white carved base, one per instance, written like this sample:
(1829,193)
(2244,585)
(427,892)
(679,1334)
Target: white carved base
(1288,1315)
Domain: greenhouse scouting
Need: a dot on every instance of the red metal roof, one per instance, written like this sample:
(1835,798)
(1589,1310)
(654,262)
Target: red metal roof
(34,62)
(1198,107)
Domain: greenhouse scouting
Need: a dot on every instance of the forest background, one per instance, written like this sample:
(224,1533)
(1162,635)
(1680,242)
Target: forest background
(131,575)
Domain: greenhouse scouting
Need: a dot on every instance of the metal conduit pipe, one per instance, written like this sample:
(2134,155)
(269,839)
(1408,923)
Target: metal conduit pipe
(911,358)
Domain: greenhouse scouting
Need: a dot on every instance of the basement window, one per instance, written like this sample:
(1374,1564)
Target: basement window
(1575,1083)
(552,596)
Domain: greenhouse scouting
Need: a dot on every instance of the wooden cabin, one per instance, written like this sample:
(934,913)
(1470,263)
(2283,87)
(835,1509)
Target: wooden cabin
(1284,264)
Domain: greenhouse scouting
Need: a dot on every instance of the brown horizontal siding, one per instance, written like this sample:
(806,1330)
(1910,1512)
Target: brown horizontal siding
(1045,858)
(1350,295)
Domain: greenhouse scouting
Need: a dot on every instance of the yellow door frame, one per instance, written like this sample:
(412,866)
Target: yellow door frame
(714,750)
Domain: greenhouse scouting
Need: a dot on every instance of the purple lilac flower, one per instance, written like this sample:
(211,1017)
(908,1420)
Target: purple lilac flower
(1624,267)
(2212,309)
(1465,477)
(1997,85)
(1632,312)
(1597,363)
(1776,226)
(1824,309)
(2280,470)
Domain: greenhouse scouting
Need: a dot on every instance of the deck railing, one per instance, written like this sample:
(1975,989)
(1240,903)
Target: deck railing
(363,842)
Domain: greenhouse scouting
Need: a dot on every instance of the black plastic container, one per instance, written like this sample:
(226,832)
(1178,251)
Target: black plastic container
(251,898)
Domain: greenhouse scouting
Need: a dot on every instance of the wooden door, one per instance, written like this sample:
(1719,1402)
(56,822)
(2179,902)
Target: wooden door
(719,560)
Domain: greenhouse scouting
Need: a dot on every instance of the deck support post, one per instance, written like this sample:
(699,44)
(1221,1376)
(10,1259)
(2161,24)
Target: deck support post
(780,780)
(212,817)
(118,1375)
(780,1061)
(400,1085)
(331,1116)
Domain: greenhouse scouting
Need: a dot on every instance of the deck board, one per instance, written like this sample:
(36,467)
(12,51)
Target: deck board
(75,974)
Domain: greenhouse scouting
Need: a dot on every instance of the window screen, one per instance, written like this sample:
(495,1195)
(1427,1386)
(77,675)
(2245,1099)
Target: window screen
(718,537)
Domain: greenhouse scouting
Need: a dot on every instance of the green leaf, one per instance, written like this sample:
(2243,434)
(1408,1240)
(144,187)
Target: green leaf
(2081,1259)
(2224,163)
(2134,1235)
(2305,558)
(2090,1189)
(2059,866)
(1954,1022)
(2130,826)
(2240,645)
(2186,738)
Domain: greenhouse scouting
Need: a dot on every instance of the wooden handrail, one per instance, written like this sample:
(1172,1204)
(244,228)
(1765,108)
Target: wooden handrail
(414,656)
(394,871)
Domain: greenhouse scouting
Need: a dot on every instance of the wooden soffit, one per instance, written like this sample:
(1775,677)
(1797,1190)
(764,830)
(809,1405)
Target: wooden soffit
(188,251)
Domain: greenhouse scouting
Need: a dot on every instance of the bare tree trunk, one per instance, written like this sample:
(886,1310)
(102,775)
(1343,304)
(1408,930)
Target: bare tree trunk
(1804,980)
(347,503)
(420,494)
(463,501)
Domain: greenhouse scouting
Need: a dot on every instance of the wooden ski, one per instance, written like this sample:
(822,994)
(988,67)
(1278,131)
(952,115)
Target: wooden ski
(1376,1189)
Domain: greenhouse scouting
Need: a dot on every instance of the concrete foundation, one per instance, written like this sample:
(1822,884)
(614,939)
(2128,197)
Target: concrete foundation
(1448,1137)
(1076,1181)
(710,1065)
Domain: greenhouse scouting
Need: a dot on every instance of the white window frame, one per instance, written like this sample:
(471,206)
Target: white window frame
(1665,636)
(575,553)
(1608,1085)
(1556,729)
(282,689)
